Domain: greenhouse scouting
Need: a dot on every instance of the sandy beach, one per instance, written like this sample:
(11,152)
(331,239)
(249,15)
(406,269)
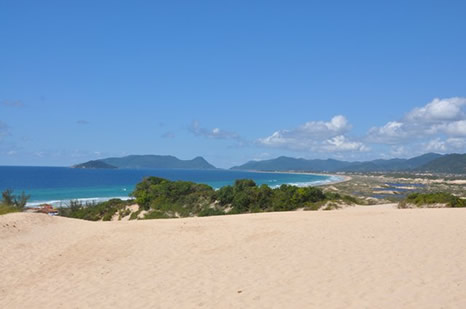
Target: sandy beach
(359,257)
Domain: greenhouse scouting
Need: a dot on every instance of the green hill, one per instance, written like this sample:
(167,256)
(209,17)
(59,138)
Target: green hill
(450,164)
(94,164)
(149,161)
(293,164)
(330,165)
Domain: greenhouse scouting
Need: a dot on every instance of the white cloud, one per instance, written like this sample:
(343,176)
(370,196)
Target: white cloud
(400,151)
(341,143)
(216,133)
(440,121)
(438,110)
(445,145)
(337,125)
(317,136)
(390,133)
(456,128)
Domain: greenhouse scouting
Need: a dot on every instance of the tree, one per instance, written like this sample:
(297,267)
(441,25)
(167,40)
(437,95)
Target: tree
(21,201)
(17,201)
(243,184)
(225,195)
(8,197)
(264,197)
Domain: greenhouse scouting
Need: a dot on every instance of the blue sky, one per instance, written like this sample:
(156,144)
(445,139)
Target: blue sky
(230,80)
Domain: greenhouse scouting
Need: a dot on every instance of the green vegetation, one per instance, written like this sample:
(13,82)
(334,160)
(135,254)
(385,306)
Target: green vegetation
(330,165)
(429,199)
(4,209)
(12,203)
(160,198)
(169,199)
(450,164)
(94,164)
(95,211)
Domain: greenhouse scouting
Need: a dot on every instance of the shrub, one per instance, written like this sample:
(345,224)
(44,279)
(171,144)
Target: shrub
(18,202)
(211,212)
(170,199)
(4,209)
(420,199)
(93,211)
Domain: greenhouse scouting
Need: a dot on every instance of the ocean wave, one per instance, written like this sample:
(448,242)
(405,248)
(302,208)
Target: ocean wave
(66,202)
(329,180)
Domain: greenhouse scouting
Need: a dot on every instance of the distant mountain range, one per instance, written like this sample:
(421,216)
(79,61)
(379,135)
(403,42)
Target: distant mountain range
(147,161)
(430,162)
(453,164)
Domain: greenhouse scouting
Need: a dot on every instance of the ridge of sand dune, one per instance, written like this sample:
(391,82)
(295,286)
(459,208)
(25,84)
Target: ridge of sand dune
(361,257)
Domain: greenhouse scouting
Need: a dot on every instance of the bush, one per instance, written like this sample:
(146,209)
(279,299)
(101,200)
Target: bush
(4,209)
(93,211)
(420,199)
(16,202)
(211,212)
(134,215)
(173,198)
(163,198)
(156,214)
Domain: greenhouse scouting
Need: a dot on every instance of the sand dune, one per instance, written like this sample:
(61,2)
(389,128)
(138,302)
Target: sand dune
(362,257)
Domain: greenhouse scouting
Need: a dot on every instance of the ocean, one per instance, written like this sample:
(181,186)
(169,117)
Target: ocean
(59,185)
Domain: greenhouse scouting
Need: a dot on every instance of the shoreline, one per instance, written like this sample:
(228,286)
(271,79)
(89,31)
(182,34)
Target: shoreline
(59,203)
(318,183)
(345,178)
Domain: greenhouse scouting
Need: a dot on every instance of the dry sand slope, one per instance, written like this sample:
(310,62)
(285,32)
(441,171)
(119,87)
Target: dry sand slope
(364,257)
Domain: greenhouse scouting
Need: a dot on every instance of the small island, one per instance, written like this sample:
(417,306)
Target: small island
(147,161)
(94,164)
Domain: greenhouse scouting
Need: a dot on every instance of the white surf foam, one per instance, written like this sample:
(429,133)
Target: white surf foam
(66,202)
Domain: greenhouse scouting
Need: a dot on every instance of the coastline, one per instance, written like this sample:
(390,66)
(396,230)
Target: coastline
(64,202)
(331,179)
(344,178)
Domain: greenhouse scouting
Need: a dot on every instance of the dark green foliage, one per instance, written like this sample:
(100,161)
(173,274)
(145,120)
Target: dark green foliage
(421,199)
(95,164)
(92,211)
(245,196)
(166,198)
(264,197)
(225,195)
(4,209)
(344,198)
(12,203)
(330,165)
(20,201)
(135,215)
(451,164)
(174,198)
(157,214)
(163,198)
(211,212)
(7,197)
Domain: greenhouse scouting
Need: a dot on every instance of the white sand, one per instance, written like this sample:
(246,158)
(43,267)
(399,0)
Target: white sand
(362,257)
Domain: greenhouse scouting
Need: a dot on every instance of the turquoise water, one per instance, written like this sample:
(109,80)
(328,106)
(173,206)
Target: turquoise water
(58,185)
